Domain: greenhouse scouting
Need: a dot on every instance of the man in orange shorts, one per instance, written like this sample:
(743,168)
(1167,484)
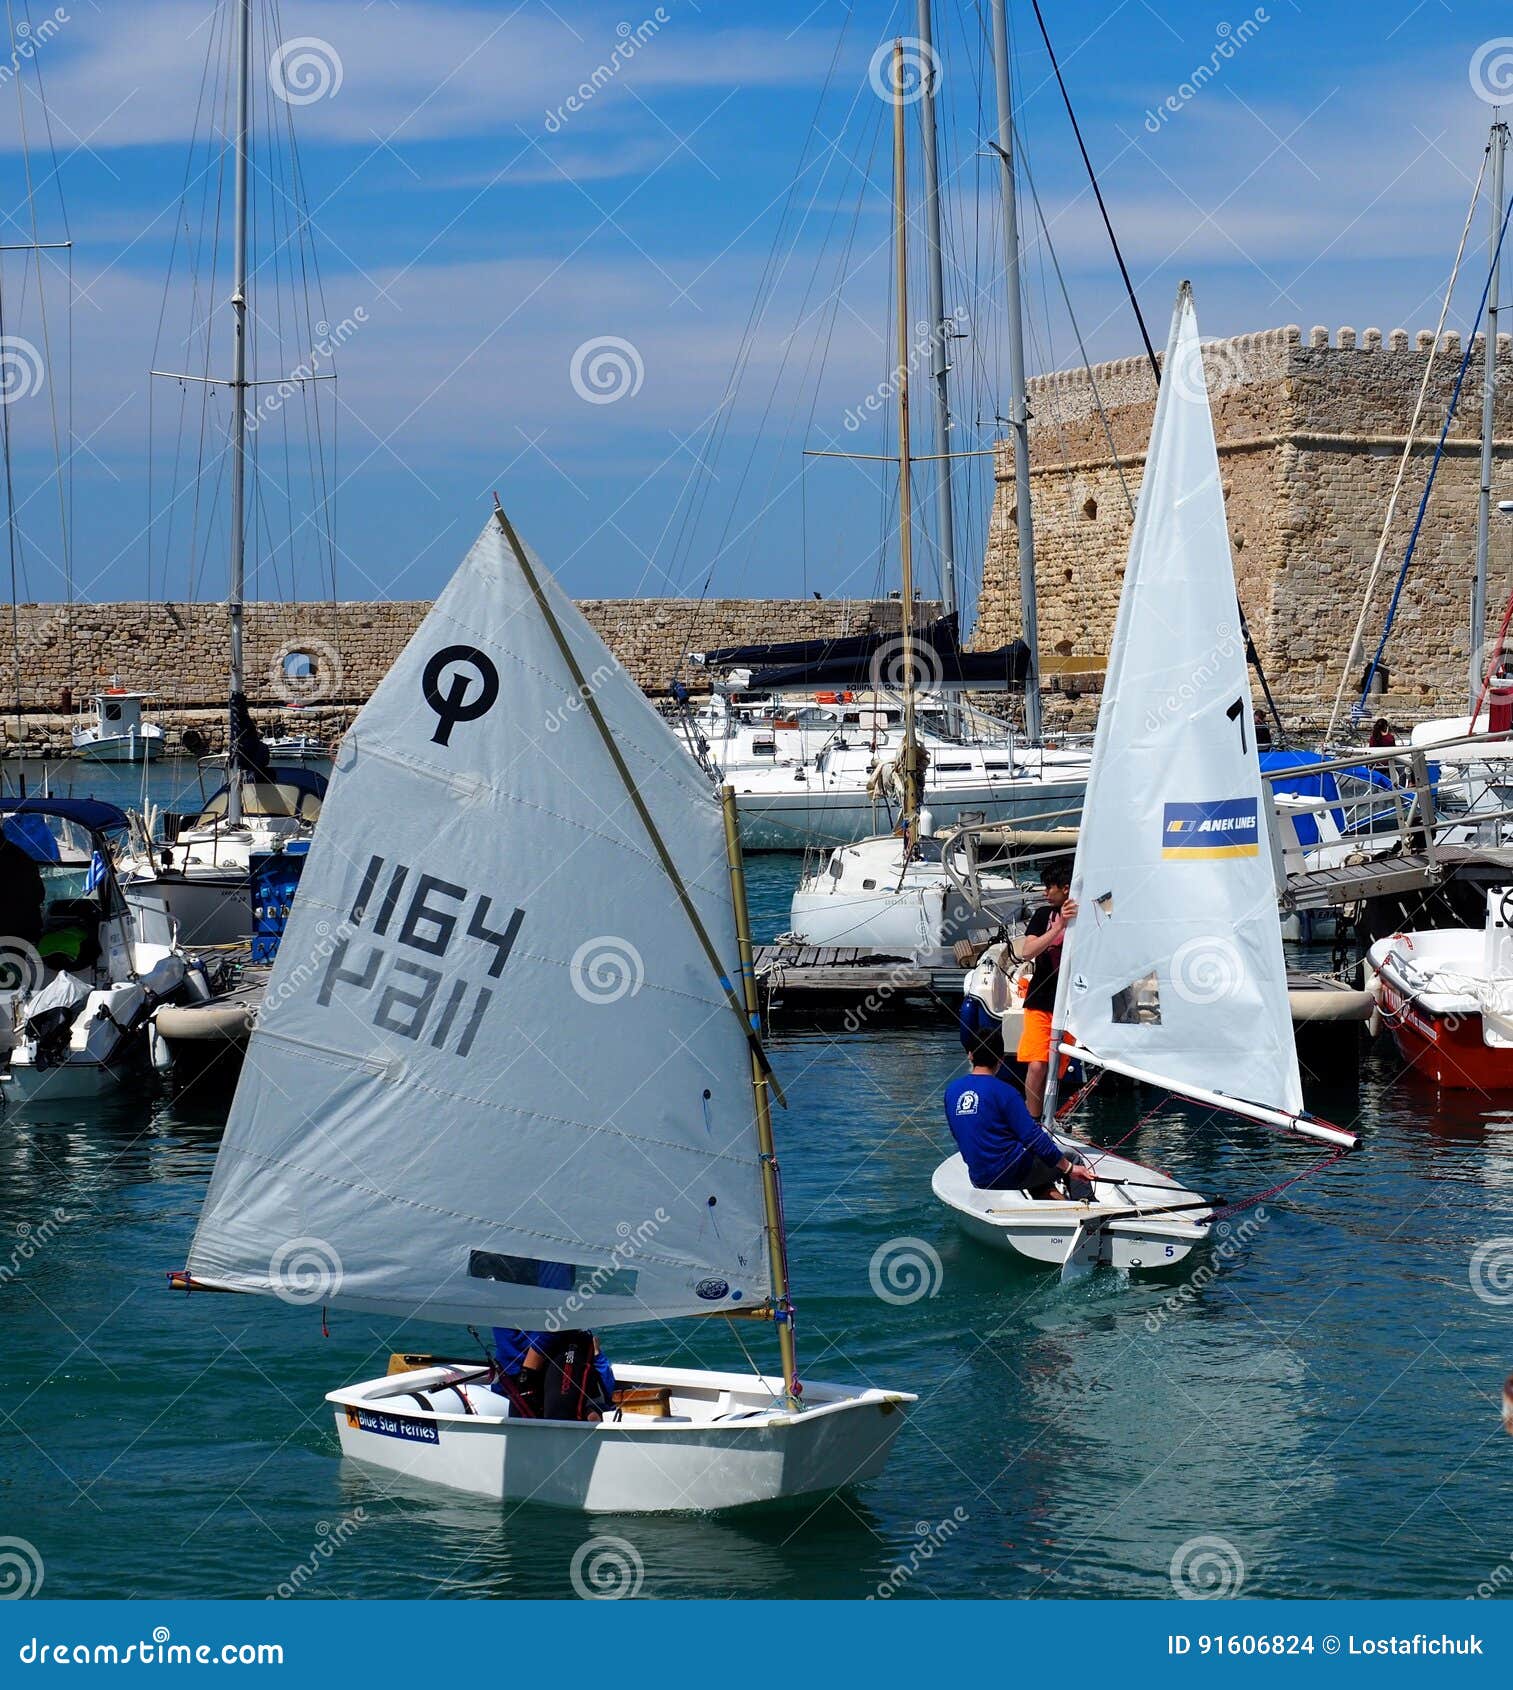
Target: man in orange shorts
(1043,936)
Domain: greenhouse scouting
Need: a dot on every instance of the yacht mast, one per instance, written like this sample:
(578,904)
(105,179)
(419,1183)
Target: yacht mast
(940,357)
(1019,425)
(1498,144)
(910,758)
(234,607)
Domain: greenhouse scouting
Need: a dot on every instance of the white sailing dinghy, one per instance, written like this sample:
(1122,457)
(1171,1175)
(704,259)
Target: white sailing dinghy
(501,1052)
(1173,971)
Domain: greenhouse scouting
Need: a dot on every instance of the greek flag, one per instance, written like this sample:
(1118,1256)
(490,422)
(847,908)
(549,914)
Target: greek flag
(96,876)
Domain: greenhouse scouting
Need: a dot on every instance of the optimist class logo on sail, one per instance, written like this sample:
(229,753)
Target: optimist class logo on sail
(1223,827)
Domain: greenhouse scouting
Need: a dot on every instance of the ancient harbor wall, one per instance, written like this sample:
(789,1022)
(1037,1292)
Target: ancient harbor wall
(309,666)
(1311,429)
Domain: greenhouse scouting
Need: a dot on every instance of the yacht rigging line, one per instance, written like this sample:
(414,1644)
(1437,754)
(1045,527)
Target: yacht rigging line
(1092,176)
(1359,709)
(1352,653)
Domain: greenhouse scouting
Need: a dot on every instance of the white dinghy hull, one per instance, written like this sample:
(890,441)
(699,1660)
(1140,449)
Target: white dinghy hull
(1112,1232)
(724,1445)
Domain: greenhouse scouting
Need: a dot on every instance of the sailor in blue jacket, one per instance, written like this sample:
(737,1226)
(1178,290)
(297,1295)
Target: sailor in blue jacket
(1004,1147)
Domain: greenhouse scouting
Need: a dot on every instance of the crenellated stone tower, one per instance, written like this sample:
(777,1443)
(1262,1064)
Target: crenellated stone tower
(1310,436)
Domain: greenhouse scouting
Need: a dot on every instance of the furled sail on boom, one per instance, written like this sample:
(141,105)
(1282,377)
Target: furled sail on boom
(496,1069)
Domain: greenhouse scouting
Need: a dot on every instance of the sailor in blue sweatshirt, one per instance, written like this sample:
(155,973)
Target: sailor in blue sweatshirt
(1004,1147)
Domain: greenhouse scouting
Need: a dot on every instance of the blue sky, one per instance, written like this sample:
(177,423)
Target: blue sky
(481,240)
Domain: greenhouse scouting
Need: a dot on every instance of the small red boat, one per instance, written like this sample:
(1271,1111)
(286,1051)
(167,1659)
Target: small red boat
(1447,999)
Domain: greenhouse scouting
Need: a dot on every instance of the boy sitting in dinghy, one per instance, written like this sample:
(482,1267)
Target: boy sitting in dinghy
(543,1373)
(1003,1146)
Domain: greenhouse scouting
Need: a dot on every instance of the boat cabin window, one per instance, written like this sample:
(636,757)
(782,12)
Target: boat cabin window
(110,710)
(264,798)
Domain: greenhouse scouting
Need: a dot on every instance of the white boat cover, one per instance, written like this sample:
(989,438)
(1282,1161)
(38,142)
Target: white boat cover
(496,1078)
(1174,963)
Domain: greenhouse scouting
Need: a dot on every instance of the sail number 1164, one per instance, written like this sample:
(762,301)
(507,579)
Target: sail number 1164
(401,926)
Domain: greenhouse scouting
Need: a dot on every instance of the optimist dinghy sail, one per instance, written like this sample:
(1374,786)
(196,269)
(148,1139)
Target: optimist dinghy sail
(1173,970)
(502,1078)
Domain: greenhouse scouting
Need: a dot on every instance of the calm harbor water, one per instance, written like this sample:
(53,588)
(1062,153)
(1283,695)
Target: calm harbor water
(1323,1398)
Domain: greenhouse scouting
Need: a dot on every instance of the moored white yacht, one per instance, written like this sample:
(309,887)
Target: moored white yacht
(194,887)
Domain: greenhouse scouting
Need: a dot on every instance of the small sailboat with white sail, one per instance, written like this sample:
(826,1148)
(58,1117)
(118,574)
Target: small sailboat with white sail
(485,1090)
(1172,973)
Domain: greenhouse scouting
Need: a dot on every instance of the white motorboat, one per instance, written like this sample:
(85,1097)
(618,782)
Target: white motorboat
(880,895)
(78,999)
(194,889)
(116,732)
(1172,973)
(450,964)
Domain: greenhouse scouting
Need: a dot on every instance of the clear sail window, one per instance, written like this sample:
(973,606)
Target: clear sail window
(1138,1004)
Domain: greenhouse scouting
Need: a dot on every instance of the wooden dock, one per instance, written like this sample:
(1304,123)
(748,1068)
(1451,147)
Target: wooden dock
(844,979)
(1395,875)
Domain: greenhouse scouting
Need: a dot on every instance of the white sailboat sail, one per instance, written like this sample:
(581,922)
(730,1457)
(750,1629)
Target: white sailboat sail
(497,1079)
(1173,967)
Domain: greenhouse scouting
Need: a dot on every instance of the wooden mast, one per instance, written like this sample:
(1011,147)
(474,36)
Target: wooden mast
(772,1196)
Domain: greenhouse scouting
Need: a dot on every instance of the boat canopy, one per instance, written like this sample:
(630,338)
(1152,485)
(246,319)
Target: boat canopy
(92,813)
(297,793)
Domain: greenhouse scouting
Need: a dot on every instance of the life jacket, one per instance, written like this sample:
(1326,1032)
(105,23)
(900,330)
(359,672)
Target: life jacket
(571,1387)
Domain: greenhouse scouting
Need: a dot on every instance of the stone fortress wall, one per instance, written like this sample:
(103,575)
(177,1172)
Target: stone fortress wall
(178,653)
(1310,433)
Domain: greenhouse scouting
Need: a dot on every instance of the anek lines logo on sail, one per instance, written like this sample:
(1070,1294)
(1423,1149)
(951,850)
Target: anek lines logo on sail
(1224,827)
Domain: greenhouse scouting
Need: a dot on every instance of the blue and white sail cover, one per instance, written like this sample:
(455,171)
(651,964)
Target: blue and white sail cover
(496,1079)
(1174,962)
